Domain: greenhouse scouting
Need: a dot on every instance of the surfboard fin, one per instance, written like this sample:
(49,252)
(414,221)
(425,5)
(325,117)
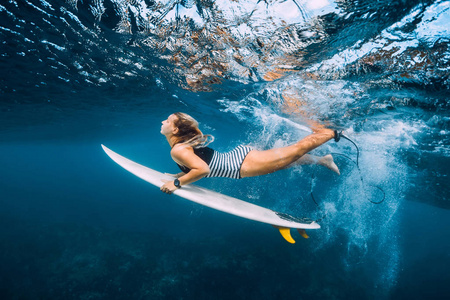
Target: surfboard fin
(303,233)
(286,233)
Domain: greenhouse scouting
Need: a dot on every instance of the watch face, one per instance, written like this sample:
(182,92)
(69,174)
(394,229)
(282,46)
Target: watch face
(176,182)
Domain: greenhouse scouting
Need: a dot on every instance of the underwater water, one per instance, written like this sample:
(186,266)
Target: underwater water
(77,74)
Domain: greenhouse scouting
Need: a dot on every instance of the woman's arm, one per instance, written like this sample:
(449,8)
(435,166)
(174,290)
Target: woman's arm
(184,155)
(178,175)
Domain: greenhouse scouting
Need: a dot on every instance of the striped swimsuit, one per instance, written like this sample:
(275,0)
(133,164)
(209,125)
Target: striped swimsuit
(222,164)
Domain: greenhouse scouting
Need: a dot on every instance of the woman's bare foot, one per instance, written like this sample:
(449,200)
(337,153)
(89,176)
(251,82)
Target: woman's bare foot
(327,161)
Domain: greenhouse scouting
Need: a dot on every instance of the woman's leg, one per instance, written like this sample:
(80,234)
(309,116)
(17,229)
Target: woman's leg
(264,162)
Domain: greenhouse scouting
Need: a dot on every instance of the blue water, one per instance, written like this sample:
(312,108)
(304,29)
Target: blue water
(77,74)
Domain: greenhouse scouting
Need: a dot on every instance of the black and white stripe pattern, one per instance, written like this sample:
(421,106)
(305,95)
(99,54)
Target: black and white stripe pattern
(228,164)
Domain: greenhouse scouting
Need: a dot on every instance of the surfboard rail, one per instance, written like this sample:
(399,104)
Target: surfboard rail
(284,222)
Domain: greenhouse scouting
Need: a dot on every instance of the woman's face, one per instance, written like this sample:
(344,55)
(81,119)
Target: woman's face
(168,126)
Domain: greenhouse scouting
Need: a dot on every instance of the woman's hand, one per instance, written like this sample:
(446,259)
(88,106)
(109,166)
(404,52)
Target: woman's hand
(168,187)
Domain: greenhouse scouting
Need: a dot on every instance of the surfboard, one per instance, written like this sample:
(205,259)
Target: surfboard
(284,222)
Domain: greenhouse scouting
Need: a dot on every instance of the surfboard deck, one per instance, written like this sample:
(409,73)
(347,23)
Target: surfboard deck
(284,222)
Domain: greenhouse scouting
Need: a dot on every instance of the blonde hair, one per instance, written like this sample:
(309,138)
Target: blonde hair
(189,133)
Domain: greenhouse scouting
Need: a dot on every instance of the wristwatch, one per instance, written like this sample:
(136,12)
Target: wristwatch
(176,182)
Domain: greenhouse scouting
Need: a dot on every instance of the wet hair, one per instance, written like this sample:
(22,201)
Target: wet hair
(189,133)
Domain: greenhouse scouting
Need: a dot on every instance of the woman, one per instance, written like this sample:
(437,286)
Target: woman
(196,160)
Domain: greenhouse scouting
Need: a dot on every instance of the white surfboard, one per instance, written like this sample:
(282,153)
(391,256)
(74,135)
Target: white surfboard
(219,201)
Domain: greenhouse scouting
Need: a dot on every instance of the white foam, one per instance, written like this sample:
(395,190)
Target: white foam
(60,48)
(346,203)
(433,26)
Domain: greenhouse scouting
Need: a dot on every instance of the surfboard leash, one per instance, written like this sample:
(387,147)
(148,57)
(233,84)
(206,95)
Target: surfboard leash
(360,176)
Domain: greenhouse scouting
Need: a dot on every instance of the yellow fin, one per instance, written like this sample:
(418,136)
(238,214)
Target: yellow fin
(303,233)
(286,233)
